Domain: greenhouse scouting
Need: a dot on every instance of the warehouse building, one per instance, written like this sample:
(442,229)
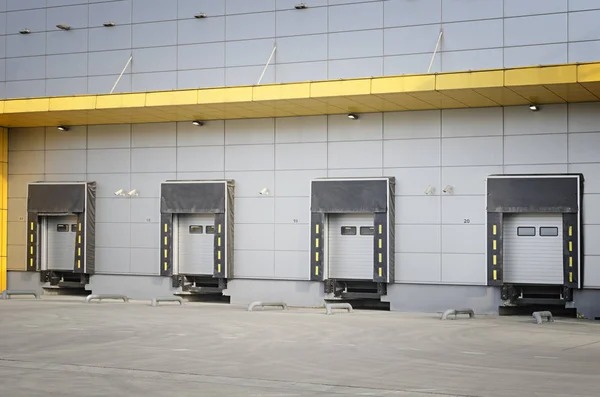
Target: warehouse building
(421,154)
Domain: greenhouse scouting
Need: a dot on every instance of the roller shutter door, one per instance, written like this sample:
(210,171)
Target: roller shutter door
(533,249)
(61,242)
(350,246)
(196,244)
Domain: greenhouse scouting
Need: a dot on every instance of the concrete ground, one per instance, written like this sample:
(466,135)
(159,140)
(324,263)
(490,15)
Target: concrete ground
(63,347)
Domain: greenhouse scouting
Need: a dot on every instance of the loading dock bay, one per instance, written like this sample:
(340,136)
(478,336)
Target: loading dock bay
(63,345)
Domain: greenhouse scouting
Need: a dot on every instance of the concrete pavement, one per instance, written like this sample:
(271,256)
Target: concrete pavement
(63,347)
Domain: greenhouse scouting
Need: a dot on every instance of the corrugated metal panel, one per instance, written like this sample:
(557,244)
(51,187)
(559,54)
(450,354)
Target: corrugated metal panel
(61,242)
(350,255)
(196,250)
(533,259)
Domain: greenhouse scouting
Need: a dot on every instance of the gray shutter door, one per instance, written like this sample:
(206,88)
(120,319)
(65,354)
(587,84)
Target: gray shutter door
(350,255)
(196,246)
(536,259)
(61,242)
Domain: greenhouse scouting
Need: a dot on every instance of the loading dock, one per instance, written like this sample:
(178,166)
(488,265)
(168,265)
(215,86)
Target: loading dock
(534,237)
(352,236)
(61,232)
(197,234)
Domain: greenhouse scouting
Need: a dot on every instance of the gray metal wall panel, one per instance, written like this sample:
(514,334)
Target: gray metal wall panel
(213,133)
(114,209)
(118,12)
(409,12)
(365,43)
(583,52)
(520,120)
(249,75)
(160,81)
(413,181)
(194,31)
(26,162)
(367,127)
(28,68)
(352,68)
(463,269)
(547,54)
(411,40)
(579,25)
(291,265)
(294,23)
(583,147)
(200,158)
(525,149)
(108,161)
(76,16)
(407,125)
(292,209)
(153,160)
(109,136)
(113,235)
(12,5)
(458,210)
(250,183)
(144,235)
(189,8)
(145,209)
(114,38)
(154,59)
(473,35)
(411,153)
(26,45)
(107,184)
(68,65)
(465,10)
(463,239)
(418,268)
(250,26)
(591,234)
(244,7)
(144,261)
(535,30)
(66,87)
(201,78)
(254,264)
(515,8)
(153,10)
(468,180)
(424,210)
(591,172)
(354,154)
(108,62)
(249,158)
(305,71)
(34,20)
(254,131)
(301,129)
(76,138)
(472,122)
(301,156)
(63,42)
(411,64)
(418,239)
(26,139)
(300,49)
(295,183)
(251,52)
(472,60)
(580,5)
(472,151)
(361,16)
(254,210)
(112,260)
(153,135)
(155,34)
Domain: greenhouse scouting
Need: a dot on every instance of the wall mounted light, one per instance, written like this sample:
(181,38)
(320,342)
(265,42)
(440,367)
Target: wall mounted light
(24,31)
(133,193)
(430,190)
(63,27)
(200,16)
(301,6)
(63,128)
(108,24)
(448,189)
(534,108)
(353,116)
(198,123)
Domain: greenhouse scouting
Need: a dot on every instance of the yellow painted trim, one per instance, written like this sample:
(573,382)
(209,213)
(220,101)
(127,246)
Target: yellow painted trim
(495,275)
(494,245)
(472,89)
(380,272)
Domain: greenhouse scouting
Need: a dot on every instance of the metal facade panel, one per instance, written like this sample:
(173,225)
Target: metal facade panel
(534,30)
(195,251)
(533,259)
(60,246)
(544,54)
(349,256)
